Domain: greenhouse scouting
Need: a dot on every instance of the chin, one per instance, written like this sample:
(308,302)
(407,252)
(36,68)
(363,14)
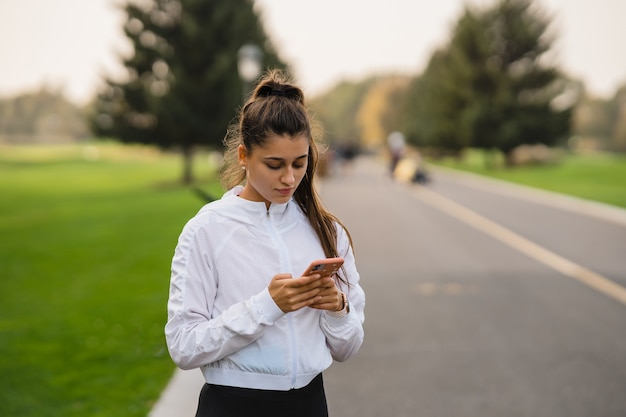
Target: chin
(281,199)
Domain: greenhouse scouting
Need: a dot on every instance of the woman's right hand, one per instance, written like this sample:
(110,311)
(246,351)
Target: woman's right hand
(291,294)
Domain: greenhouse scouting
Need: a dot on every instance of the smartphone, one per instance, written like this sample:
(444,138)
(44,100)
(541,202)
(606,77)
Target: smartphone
(325,267)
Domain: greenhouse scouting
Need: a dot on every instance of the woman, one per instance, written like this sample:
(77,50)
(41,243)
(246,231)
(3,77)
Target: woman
(238,308)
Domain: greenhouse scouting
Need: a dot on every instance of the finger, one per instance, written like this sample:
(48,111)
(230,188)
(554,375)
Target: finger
(307,279)
(328,282)
(279,277)
(310,296)
(330,302)
(324,306)
(305,284)
(302,300)
(329,288)
(328,293)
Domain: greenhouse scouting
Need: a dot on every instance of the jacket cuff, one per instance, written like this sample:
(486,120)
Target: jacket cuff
(264,307)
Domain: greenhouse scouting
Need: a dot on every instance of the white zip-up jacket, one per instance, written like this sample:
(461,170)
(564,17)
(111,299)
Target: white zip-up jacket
(221,317)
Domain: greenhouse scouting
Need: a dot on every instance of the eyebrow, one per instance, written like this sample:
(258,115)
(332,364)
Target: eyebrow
(276,158)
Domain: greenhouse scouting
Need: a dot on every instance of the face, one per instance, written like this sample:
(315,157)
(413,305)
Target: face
(275,169)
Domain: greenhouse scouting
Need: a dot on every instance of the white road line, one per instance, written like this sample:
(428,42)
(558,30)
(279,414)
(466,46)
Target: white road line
(521,244)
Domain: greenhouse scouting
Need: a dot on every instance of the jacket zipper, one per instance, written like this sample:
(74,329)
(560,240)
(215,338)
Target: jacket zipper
(284,255)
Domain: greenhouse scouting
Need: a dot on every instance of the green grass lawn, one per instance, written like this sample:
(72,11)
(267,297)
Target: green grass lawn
(597,177)
(84,262)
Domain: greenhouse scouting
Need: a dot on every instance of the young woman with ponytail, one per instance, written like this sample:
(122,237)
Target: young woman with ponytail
(238,308)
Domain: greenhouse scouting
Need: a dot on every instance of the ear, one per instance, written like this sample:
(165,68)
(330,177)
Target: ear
(241,155)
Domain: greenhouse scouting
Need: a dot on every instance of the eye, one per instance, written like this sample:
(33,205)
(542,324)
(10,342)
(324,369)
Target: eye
(274,167)
(298,166)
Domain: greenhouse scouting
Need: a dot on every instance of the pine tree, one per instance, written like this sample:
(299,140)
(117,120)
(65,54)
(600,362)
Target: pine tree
(182,88)
(491,86)
(521,41)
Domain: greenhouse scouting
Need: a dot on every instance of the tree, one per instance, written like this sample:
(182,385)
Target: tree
(527,85)
(592,120)
(337,111)
(618,113)
(43,116)
(379,110)
(182,86)
(433,106)
(491,87)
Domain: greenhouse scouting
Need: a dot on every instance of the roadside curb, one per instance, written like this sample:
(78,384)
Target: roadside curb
(180,396)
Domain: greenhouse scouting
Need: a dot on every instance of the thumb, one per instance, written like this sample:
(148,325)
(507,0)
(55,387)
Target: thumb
(278,277)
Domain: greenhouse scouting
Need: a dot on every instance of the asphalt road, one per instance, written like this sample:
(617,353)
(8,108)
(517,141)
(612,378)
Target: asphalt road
(461,321)
(483,300)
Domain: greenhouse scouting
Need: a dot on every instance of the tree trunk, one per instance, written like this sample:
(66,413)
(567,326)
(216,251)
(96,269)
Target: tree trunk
(187,164)
(490,160)
(509,159)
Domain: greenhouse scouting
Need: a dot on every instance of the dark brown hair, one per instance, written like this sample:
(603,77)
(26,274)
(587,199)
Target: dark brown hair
(276,107)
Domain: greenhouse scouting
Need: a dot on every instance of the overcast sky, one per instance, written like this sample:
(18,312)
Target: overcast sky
(70,44)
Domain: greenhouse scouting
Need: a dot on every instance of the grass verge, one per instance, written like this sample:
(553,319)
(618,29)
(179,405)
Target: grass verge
(597,177)
(88,233)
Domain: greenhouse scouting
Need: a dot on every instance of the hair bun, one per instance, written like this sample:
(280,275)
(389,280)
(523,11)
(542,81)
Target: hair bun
(279,90)
(271,90)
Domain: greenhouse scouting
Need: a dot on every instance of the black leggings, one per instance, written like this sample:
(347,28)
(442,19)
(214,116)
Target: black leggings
(222,401)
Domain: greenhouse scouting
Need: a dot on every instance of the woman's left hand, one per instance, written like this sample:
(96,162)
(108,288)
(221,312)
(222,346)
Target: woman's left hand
(332,299)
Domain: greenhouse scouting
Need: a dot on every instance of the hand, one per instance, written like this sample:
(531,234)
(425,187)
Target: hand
(331,298)
(293,294)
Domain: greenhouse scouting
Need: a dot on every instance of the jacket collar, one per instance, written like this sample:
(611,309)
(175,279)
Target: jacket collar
(256,208)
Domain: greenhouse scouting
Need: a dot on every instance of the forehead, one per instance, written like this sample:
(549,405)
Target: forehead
(283,146)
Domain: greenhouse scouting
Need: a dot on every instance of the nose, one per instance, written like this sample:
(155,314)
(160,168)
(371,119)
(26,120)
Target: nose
(288,177)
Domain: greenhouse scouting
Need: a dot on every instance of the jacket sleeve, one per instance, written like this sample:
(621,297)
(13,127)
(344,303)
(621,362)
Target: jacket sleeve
(194,337)
(344,335)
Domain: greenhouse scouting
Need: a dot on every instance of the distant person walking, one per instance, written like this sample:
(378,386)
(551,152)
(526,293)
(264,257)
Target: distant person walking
(396,144)
(238,309)
(347,153)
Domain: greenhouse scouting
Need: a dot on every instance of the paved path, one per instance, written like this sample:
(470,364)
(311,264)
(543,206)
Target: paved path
(180,397)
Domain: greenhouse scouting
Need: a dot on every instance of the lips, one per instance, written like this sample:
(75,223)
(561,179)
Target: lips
(284,191)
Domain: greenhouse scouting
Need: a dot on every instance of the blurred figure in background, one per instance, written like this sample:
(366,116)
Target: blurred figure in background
(346,153)
(396,144)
